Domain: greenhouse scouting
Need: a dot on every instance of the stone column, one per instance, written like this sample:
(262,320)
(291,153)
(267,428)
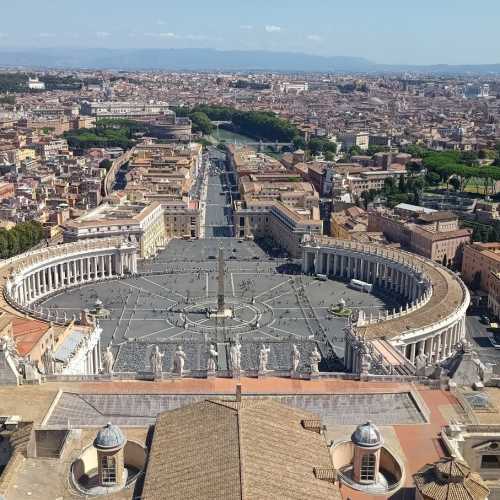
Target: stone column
(49,275)
(413,352)
(439,356)
(428,348)
(44,280)
(56,276)
(110,266)
(38,285)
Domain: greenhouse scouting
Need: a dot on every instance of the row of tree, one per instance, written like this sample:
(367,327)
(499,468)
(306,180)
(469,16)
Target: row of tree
(455,165)
(108,132)
(258,124)
(20,238)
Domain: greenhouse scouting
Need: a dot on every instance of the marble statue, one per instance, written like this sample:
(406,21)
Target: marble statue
(420,362)
(107,361)
(48,361)
(156,360)
(212,358)
(179,360)
(235,356)
(295,358)
(264,358)
(314,360)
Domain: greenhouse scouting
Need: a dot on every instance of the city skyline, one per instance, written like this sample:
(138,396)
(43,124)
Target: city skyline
(427,33)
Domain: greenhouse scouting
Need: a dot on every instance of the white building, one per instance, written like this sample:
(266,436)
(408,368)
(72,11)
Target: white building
(35,84)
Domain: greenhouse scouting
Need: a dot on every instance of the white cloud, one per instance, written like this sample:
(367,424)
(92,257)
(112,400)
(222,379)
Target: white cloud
(102,34)
(161,35)
(47,35)
(314,38)
(195,37)
(246,27)
(271,28)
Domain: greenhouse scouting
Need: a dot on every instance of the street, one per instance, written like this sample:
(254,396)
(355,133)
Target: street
(478,335)
(218,219)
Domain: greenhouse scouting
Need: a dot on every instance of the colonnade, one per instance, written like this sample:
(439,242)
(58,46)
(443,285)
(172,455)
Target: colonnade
(400,273)
(392,276)
(437,346)
(67,266)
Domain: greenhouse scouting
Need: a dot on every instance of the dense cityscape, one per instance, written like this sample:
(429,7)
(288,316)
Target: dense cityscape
(249,284)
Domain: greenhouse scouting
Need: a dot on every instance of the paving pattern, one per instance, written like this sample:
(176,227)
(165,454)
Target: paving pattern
(78,410)
(166,306)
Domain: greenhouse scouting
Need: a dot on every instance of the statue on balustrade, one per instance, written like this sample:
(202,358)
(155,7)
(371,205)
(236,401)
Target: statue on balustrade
(314,360)
(264,358)
(421,362)
(295,358)
(235,356)
(107,361)
(212,359)
(156,361)
(179,361)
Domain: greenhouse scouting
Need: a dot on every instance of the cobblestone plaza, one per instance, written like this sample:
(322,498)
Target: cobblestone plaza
(166,305)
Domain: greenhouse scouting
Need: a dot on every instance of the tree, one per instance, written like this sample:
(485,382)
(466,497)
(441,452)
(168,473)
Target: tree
(433,178)
(402,184)
(106,164)
(414,168)
(455,183)
(201,122)
(299,143)
(389,185)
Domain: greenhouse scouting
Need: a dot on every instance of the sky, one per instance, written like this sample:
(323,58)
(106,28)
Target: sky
(383,31)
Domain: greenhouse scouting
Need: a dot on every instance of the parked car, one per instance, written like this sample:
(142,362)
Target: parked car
(495,341)
(484,319)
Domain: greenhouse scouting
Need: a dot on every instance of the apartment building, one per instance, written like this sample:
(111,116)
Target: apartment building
(287,227)
(140,223)
(479,261)
(435,235)
(245,162)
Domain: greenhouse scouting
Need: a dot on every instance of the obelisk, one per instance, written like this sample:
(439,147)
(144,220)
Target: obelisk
(220,284)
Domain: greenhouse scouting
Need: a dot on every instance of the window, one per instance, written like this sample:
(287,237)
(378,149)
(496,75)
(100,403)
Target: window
(368,467)
(108,467)
(490,462)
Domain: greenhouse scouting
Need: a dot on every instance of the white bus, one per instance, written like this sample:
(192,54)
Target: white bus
(322,277)
(361,286)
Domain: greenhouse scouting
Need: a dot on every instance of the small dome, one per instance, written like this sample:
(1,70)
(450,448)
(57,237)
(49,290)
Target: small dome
(109,437)
(367,436)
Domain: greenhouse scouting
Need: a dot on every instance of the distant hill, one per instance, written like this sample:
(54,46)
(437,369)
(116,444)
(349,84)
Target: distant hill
(211,59)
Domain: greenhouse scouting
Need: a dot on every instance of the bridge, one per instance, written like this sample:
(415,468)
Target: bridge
(276,146)
(219,123)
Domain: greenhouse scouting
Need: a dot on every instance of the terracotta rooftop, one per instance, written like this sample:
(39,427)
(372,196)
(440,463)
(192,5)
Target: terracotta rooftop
(27,333)
(450,479)
(252,450)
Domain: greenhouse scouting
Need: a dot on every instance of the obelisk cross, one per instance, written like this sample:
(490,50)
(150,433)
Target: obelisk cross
(220,287)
